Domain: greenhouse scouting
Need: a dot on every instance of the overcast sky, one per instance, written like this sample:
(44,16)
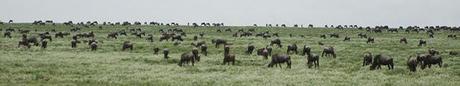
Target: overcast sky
(239,12)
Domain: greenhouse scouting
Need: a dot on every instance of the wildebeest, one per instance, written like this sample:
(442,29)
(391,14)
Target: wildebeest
(306,50)
(156,50)
(127,45)
(73,43)
(198,44)
(346,38)
(327,51)
(249,49)
(312,59)
(403,40)
(44,44)
(204,49)
(293,48)
(381,59)
(412,63)
(367,59)
(150,38)
(219,42)
(228,57)
(323,36)
(177,37)
(166,53)
(112,35)
(370,40)
(7,34)
(362,35)
(93,46)
(189,57)
(263,52)
(428,60)
(334,35)
(421,42)
(23,43)
(277,42)
(278,59)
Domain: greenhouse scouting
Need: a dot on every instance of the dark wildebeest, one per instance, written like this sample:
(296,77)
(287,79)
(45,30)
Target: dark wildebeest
(228,57)
(306,50)
(452,36)
(156,50)
(346,38)
(93,46)
(403,40)
(112,35)
(421,42)
(150,38)
(198,44)
(367,59)
(453,53)
(278,59)
(44,44)
(327,51)
(428,60)
(277,42)
(73,43)
(263,52)
(7,34)
(195,38)
(219,42)
(127,45)
(189,57)
(362,35)
(165,53)
(204,49)
(249,49)
(177,37)
(370,40)
(334,35)
(382,60)
(412,63)
(23,43)
(293,48)
(323,36)
(312,59)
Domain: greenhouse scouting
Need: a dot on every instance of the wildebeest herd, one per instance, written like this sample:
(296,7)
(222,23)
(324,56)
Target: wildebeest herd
(176,36)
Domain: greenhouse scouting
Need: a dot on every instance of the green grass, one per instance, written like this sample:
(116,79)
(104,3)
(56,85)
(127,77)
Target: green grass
(61,65)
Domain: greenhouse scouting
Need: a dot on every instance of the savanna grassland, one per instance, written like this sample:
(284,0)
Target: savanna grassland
(59,64)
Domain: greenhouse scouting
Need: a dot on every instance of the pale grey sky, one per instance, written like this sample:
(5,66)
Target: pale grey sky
(240,12)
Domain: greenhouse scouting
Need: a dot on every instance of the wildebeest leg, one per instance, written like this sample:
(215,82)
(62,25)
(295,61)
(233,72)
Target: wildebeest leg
(440,64)
(317,63)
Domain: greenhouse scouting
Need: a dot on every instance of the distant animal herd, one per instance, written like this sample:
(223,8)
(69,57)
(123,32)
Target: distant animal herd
(431,57)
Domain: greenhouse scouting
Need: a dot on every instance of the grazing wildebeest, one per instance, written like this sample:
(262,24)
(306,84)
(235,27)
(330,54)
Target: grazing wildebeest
(263,52)
(306,50)
(431,35)
(7,34)
(189,57)
(421,42)
(428,60)
(370,40)
(362,35)
(250,48)
(204,49)
(312,59)
(44,44)
(403,40)
(177,37)
(156,50)
(453,53)
(23,43)
(323,36)
(166,53)
(150,38)
(219,42)
(412,63)
(367,59)
(228,57)
(198,44)
(127,45)
(452,36)
(334,35)
(112,35)
(346,38)
(328,51)
(382,60)
(393,30)
(277,42)
(293,48)
(278,59)
(195,38)
(93,46)
(73,43)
